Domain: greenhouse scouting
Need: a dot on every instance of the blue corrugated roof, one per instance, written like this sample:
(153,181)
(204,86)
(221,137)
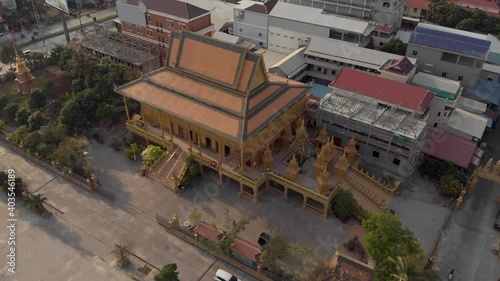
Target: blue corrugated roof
(450,41)
(486,91)
(319,90)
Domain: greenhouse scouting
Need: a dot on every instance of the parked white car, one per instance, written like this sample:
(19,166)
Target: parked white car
(222,275)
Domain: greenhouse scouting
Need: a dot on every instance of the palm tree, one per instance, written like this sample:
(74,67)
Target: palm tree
(35,203)
(411,268)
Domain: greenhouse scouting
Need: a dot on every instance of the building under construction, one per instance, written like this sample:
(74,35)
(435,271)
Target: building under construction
(99,42)
(388,121)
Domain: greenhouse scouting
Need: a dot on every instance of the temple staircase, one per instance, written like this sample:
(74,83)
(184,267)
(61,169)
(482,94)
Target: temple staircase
(169,168)
(370,194)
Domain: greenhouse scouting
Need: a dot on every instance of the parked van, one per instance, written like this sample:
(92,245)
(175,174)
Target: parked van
(222,275)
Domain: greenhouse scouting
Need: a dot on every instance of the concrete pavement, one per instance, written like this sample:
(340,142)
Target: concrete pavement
(468,240)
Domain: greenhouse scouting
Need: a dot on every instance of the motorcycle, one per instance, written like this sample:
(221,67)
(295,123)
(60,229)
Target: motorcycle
(23,36)
(450,276)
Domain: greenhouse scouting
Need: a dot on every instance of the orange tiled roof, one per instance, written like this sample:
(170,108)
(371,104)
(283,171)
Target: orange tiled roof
(246,249)
(209,232)
(218,85)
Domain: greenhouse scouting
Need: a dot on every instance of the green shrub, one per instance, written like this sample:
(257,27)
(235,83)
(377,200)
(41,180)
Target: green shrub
(96,134)
(2,125)
(36,121)
(3,102)
(345,205)
(133,152)
(10,111)
(450,185)
(37,98)
(22,116)
(116,144)
(151,154)
(10,75)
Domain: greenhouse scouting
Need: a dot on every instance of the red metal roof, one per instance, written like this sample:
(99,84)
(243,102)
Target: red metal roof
(246,249)
(312,97)
(392,92)
(209,232)
(479,3)
(419,4)
(262,8)
(172,7)
(449,147)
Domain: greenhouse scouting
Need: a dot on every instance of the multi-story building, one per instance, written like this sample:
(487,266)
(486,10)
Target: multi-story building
(417,9)
(154,21)
(450,53)
(450,111)
(387,118)
(251,21)
(388,12)
(323,58)
(292,26)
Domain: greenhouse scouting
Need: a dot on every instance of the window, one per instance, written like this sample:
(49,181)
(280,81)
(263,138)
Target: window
(444,74)
(170,23)
(439,113)
(260,34)
(240,29)
(489,79)
(241,14)
(357,146)
(447,57)
(182,27)
(396,161)
(460,78)
(414,53)
(386,4)
(375,154)
(445,114)
(435,125)
(149,18)
(381,44)
(333,72)
(415,10)
(261,44)
(150,32)
(319,68)
(466,61)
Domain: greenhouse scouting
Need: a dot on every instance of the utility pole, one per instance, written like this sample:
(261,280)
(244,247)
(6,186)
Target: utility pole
(65,26)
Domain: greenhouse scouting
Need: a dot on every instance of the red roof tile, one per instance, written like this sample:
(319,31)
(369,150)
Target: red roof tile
(449,147)
(172,7)
(209,232)
(392,92)
(262,8)
(419,4)
(479,3)
(402,66)
(246,249)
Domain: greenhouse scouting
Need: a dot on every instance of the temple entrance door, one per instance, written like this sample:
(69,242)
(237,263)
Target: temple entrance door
(217,146)
(208,143)
(227,150)
(191,136)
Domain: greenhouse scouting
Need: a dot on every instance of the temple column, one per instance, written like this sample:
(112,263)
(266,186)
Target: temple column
(170,129)
(220,162)
(241,168)
(326,210)
(304,204)
(189,138)
(285,193)
(472,183)
(161,125)
(126,108)
(145,124)
(255,194)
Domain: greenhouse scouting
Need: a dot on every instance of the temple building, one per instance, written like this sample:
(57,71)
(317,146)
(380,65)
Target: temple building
(215,102)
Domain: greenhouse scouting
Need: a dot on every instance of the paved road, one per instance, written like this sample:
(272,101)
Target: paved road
(467,242)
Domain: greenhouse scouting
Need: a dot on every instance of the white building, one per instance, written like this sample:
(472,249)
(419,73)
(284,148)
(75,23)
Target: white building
(251,21)
(383,11)
(293,26)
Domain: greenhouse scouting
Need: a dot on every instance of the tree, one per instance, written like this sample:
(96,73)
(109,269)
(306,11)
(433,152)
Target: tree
(275,250)
(88,102)
(151,154)
(2,126)
(451,185)
(31,141)
(466,24)
(344,205)
(18,136)
(69,153)
(35,203)
(10,111)
(53,133)
(22,116)
(133,152)
(411,268)
(385,238)
(7,55)
(37,98)
(121,252)
(36,121)
(106,111)
(168,273)
(195,216)
(3,102)
(62,55)
(235,227)
(395,46)
(71,116)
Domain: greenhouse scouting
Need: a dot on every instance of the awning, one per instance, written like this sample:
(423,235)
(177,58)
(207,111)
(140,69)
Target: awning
(411,19)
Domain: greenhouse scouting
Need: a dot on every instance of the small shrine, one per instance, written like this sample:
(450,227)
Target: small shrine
(324,184)
(24,78)
(292,172)
(351,150)
(322,138)
(342,166)
(301,143)
(325,158)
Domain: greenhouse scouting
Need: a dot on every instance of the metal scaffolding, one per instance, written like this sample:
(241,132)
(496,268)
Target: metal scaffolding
(119,46)
(391,128)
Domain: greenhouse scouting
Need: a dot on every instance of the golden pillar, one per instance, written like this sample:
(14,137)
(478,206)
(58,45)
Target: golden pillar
(161,126)
(126,108)
(170,129)
(145,123)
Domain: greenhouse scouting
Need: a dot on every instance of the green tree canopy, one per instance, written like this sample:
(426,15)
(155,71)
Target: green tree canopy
(37,98)
(466,24)
(451,185)
(19,134)
(36,121)
(168,273)
(3,102)
(7,55)
(10,111)
(22,116)
(395,46)
(69,153)
(411,268)
(53,133)
(71,116)
(345,204)
(386,239)
(151,154)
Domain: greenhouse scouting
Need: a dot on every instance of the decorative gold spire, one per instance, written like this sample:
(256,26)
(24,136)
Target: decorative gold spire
(293,162)
(487,167)
(268,153)
(301,142)
(352,143)
(496,170)
(325,174)
(24,78)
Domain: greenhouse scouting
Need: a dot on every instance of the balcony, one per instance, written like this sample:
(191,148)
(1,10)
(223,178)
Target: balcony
(206,30)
